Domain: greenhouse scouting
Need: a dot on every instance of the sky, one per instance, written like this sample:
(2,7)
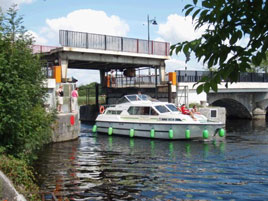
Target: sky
(128,18)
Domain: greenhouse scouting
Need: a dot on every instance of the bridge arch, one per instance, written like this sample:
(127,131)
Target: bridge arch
(234,108)
(239,105)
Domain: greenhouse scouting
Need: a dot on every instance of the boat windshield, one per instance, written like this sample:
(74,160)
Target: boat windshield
(144,97)
(172,107)
(140,97)
(132,97)
(161,109)
(122,100)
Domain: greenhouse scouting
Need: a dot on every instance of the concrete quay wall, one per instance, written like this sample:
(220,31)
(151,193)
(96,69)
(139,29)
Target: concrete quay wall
(214,113)
(7,190)
(66,127)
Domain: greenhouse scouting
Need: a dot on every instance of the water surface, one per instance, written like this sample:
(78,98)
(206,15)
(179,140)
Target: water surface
(100,167)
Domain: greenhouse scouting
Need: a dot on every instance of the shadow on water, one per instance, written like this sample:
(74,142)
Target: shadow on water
(101,167)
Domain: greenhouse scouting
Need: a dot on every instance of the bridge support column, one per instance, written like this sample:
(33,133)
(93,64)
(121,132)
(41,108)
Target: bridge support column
(162,73)
(64,67)
(102,78)
(258,113)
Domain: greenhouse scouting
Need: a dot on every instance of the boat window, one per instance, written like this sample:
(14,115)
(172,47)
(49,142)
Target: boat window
(135,97)
(132,110)
(161,109)
(142,111)
(169,119)
(144,97)
(114,112)
(153,112)
(172,107)
(122,100)
(132,97)
(118,112)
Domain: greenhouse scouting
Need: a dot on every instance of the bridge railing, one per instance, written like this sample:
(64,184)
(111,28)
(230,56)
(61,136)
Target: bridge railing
(195,76)
(121,81)
(114,43)
(42,48)
(137,81)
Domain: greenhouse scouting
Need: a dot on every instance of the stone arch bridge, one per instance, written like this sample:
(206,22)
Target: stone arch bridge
(248,98)
(241,104)
(243,100)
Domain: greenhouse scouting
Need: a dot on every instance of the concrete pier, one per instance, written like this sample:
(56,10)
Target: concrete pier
(66,127)
(214,113)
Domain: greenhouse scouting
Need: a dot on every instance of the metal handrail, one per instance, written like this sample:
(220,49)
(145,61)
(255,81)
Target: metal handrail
(42,48)
(115,43)
(196,76)
(137,81)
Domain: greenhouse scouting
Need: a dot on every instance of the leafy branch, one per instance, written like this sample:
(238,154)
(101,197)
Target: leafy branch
(228,22)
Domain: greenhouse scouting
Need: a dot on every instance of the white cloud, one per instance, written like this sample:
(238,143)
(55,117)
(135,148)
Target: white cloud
(85,20)
(179,28)
(174,64)
(6,4)
(178,63)
(84,76)
(38,39)
(159,39)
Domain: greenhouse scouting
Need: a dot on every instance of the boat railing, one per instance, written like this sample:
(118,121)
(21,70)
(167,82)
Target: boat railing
(196,76)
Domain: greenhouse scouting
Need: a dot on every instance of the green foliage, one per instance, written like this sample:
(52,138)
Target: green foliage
(82,100)
(196,104)
(89,87)
(21,175)
(263,67)
(228,22)
(24,125)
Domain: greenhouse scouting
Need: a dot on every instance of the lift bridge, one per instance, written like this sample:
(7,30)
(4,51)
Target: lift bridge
(134,64)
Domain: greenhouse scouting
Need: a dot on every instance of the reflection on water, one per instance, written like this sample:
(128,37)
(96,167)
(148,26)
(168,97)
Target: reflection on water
(100,167)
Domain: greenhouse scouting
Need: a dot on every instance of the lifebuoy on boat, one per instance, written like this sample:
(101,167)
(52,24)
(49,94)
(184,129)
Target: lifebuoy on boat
(102,109)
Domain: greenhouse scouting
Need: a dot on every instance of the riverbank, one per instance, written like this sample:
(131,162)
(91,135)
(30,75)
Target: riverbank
(22,178)
(7,190)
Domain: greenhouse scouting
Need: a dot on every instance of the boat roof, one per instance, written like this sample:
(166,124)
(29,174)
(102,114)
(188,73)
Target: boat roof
(140,99)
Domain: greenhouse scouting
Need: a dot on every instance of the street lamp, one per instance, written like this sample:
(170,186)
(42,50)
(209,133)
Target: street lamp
(153,22)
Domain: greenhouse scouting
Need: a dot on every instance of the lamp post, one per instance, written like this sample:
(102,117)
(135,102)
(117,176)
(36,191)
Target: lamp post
(153,22)
(187,59)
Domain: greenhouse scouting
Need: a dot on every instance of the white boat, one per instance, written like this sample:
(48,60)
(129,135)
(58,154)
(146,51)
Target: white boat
(141,116)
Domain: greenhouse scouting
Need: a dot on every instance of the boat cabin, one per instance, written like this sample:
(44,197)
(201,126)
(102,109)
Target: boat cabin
(140,104)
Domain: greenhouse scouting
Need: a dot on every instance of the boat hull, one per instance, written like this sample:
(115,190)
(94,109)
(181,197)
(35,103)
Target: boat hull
(172,131)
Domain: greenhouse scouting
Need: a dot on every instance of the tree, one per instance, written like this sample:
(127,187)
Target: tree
(228,22)
(264,64)
(263,67)
(24,125)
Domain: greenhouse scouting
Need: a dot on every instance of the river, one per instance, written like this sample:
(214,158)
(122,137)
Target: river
(100,167)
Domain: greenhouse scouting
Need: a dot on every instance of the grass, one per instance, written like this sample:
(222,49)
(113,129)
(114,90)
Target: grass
(82,100)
